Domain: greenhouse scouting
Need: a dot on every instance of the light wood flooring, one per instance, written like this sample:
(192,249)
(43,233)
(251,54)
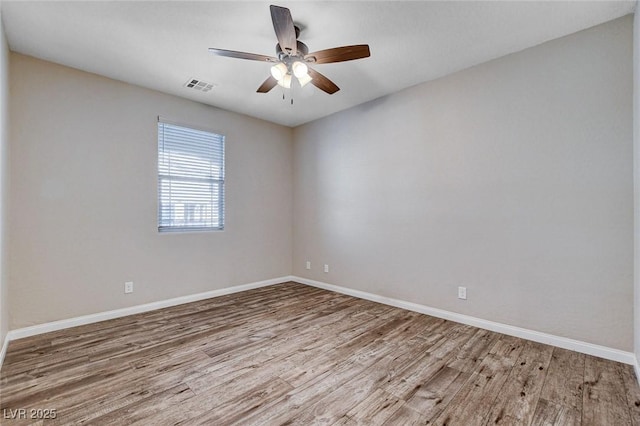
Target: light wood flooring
(293,354)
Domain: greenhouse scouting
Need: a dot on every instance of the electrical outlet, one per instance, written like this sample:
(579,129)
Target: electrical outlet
(128,287)
(462,293)
(326,268)
(308,265)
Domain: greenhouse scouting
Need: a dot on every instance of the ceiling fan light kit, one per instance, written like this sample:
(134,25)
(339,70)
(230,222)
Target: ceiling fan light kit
(283,70)
(293,56)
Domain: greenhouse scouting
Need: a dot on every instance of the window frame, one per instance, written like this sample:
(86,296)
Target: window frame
(220,205)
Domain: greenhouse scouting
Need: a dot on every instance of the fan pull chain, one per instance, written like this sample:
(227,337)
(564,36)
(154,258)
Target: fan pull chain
(284,95)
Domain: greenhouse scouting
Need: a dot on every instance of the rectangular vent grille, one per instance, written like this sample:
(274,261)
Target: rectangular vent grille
(199,85)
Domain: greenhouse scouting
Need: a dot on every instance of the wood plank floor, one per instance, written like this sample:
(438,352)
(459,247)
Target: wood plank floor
(293,354)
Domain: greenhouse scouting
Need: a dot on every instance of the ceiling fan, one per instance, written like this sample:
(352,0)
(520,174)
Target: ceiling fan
(293,56)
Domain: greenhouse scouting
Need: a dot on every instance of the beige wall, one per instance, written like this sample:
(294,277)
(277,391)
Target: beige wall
(4,142)
(636,181)
(83,211)
(512,178)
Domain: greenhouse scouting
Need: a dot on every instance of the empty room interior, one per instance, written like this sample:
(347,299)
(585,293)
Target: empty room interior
(349,213)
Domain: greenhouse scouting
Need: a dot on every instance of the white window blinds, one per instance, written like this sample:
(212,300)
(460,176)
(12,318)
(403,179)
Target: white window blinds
(190,179)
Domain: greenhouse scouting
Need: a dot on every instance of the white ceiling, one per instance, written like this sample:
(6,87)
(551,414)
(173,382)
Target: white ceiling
(160,45)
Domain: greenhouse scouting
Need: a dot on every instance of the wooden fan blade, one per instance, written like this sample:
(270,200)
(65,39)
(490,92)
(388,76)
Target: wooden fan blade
(268,84)
(242,55)
(284,28)
(340,54)
(322,82)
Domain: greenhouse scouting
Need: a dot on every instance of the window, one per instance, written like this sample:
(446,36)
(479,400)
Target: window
(190,179)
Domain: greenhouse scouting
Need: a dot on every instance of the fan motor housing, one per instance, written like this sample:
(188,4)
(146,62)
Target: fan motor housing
(303,50)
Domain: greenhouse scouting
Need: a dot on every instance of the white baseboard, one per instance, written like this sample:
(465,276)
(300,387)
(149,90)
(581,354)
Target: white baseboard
(3,351)
(536,336)
(103,316)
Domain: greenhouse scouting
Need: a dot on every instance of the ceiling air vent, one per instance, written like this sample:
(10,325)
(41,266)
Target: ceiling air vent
(199,85)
